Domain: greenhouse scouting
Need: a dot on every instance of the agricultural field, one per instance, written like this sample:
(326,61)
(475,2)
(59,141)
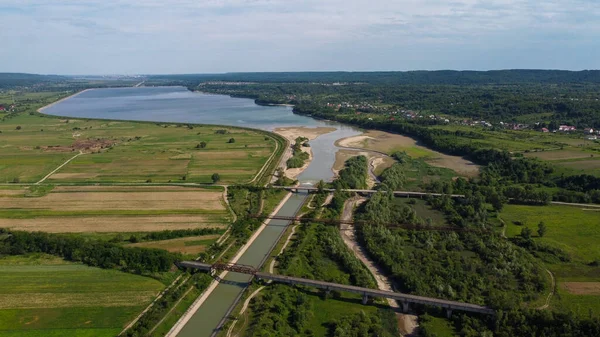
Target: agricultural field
(41,295)
(110,209)
(192,245)
(32,146)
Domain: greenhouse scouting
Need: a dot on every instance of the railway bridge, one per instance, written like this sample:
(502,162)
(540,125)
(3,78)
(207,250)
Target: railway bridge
(410,194)
(404,299)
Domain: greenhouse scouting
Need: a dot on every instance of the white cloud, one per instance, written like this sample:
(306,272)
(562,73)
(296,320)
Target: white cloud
(286,34)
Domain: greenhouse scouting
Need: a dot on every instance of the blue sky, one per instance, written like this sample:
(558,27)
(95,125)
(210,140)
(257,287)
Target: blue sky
(208,36)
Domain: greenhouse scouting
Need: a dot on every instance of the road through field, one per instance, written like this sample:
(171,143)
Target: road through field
(58,168)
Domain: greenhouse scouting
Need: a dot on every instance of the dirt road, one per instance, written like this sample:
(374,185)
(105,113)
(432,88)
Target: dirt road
(407,323)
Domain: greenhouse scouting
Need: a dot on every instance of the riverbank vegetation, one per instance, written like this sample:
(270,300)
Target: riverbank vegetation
(299,156)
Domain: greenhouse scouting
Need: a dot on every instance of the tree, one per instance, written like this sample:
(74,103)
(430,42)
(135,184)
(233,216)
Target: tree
(320,186)
(526,233)
(201,145)
(542,229)
(215,178)
(497,200)
(231,140)
(18,127)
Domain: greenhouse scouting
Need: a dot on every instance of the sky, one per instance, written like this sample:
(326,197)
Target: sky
(215,36)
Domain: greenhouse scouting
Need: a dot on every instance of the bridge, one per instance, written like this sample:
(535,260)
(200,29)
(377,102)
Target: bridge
(362,222)
(404,299)
(412,194)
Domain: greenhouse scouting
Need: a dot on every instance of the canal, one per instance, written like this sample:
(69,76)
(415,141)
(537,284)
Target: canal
(178,105)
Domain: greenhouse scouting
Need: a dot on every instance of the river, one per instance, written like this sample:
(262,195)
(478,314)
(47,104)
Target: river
(178,105)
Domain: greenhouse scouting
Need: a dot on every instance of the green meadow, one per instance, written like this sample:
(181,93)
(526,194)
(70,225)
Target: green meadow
(41,295)
(31,146)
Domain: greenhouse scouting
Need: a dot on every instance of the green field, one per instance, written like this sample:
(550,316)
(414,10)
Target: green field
(572,229)
(127,151)
(42,295)
(576,232)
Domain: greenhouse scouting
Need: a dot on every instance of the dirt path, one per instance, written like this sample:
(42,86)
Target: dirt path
(545,306)
(233,215)
(287,241)
(573,204)
(267,163)
(58,168)
(407,323)
(132,323)
(243,310)
(200,300)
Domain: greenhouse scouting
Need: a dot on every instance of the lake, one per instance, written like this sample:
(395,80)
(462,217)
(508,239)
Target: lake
(179,105)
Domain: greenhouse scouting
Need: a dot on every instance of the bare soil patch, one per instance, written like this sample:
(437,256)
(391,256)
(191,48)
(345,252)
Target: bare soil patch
(131,189)
(291,133)
(86,145)
(389,143)
(11,193)
(79,201)
(83,175)
(179,245)
(558,155)
(582,288)
(582,164)
(110,224)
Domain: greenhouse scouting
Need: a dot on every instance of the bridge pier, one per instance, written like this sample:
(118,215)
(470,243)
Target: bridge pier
(448,313)
(365,299)
(405,307)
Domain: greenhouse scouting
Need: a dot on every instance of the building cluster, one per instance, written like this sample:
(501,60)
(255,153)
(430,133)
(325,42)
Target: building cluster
(9,108)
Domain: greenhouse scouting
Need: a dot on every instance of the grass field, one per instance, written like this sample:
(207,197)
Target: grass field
(77,209)
(42,295)
(31,146)
(187,245)
(575,231)
(423,210)
(572,229)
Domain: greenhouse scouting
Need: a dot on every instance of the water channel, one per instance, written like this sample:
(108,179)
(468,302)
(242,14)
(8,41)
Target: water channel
(178,105)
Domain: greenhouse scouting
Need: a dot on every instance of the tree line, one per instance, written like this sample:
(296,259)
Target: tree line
(90,252)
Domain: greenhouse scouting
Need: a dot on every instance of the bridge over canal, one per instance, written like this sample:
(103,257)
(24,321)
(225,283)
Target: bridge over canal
(411,194)
(367,293)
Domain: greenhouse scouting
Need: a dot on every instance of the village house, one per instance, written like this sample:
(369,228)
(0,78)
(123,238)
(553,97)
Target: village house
(2,108)
(566,128)
(544,130)
(588,130)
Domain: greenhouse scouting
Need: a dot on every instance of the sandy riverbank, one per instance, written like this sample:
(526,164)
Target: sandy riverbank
(389,143)
(41,110)
(291,133)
